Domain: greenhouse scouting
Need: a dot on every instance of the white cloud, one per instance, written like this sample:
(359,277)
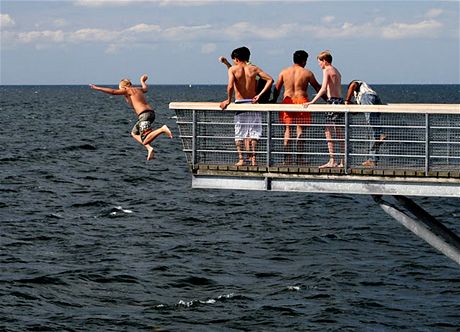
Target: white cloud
(406,30)
(186,33)
(140,28)
(435,12)
(208,48)
(60,22)
(41,36)
(145,34)
(247,30)
(183,3)
(328,19)
(102,3)
(160,3)
(93,35)
(6,21)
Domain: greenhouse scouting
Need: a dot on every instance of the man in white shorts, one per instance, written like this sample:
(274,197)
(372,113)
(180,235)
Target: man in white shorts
(242,79)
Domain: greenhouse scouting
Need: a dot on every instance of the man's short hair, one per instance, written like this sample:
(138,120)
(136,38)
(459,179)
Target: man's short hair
(300,57)
(325,55)
(241,53)
(124,83)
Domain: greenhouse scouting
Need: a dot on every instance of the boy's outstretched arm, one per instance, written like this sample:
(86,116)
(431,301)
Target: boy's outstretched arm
(108,90)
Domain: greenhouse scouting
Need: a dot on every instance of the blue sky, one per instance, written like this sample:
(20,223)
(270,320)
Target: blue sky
(178,42)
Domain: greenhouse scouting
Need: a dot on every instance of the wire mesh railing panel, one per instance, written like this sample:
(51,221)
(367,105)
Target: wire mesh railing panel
(185,125)
(300,141)
(393,141)
(445,142)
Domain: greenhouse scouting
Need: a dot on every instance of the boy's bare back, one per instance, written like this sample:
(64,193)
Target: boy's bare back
(334,79)
(136,99)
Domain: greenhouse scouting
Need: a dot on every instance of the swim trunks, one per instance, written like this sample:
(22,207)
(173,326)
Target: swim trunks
(295,117)
(334,117)
(247,124)
(144,123)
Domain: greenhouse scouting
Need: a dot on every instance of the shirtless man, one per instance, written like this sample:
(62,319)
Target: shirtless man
(242,80)
(295,80)
(332,87)
(142,131)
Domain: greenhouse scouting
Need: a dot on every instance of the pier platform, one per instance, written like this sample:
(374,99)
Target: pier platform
(419,154)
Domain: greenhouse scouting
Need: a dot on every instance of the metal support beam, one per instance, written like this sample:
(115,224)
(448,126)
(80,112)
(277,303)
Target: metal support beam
(426,228)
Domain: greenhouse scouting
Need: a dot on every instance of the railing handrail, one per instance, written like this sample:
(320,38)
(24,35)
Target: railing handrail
(388,108)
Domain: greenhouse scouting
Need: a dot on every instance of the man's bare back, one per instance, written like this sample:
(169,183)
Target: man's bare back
(242,78)
(245,81)
(296,79)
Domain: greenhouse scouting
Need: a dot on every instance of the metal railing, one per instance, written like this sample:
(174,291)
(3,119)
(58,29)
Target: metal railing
(420,137)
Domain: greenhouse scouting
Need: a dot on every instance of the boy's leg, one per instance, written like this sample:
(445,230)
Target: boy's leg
(154,133)
(340,136)
(287,134)
(238,144)
(287,144)
(330,147)
(377,137)
(150,151)
(300,145)
(247,146)
(254,146)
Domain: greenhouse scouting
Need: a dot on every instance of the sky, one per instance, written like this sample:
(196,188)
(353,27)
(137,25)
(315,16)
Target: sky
(179,41)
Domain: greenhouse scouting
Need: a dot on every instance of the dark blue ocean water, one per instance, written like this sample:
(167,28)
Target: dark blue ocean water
(95,238)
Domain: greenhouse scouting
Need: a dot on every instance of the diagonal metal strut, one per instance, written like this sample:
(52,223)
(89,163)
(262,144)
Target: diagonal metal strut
(424,226)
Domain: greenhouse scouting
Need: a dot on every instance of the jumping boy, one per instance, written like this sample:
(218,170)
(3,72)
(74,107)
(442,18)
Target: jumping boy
(142,131)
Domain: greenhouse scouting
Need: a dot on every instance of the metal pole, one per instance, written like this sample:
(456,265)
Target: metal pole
(427,144)
(269,138)
(429,220)
(347,128)
(194,139)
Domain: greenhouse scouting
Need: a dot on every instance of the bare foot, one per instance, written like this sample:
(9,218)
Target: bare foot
(253,161)
(329,164)
(369,163)
(150,154)
(240,162)
(340,164)
(166,131)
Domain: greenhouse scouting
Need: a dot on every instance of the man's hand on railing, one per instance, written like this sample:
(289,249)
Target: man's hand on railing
(223,105)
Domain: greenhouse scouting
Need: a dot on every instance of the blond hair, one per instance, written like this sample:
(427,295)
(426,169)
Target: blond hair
(325,55)
(124,83)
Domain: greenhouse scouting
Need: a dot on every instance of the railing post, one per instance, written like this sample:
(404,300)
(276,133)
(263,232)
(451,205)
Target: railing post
(345,157)
(194,139)
(427,143)
(269,138)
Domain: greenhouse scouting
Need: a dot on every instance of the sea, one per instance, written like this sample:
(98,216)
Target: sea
(93,237)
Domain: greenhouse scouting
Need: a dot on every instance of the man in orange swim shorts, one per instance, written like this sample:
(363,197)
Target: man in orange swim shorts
(295,79)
